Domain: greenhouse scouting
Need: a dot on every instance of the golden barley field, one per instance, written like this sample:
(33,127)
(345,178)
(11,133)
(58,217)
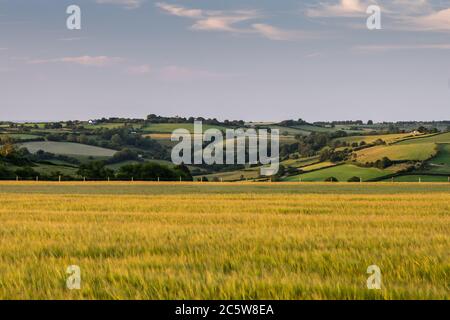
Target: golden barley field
(224,241)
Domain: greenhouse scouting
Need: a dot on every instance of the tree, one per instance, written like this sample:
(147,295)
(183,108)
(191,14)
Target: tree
(152,171)
(83,139)
(354,179)
(186,173)
(123,155)
(95,170)
(383,163)
(370,123)
(5,173)
(7,149)
(331,179)
(27,173)
(422,129)
(116,140)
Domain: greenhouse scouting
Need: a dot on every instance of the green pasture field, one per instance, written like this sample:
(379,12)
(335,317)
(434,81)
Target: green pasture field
(170,127)
(398,151)
(441,162)
(341,172)
(300,162)
(68,148)
(21,136)
(252,173)
(435,138)
(388,138)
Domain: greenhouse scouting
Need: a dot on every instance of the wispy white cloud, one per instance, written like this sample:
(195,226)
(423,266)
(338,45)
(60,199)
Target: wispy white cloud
(278,34)
(129,4)
(401,15)
(436,21)
(180,11)
(408,7)
(345,8)
(223,22)
(211,20)
(95,61)
(231,21)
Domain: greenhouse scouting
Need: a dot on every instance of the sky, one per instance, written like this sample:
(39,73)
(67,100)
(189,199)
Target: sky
(256,60)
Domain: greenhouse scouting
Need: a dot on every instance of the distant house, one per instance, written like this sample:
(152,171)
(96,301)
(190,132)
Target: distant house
(92,122)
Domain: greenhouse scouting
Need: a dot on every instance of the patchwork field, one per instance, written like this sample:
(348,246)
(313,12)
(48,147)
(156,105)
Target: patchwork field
(68,148)
(252,173)
(422,151)
(342,173)
(441,162)
(436,138)
(170,127)
(222,240)
(21,136)
(388,138)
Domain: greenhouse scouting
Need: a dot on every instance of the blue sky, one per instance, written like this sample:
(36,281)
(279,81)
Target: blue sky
(248,59)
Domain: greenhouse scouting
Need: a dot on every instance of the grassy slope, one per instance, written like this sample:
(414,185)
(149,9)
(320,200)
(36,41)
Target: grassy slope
(234,175)
(317,166)
(301,162)
(311,128)
(170,127)
(280,244)
(116,166)
(443,156)
(48,169)
(107,125)
(20,136)
(388,138)
(420,148)
(437,138)
(441,162)
(290,130)
(422,151)
(342,173)
(68,148)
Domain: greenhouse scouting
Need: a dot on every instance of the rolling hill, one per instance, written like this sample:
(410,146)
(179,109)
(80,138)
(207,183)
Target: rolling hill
(68,148)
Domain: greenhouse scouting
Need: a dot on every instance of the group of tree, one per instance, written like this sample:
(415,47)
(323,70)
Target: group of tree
(153,118)
(340,122)
(311,145)
(383,163)
(115,138)
(293,123)
(333,155)
(146,171)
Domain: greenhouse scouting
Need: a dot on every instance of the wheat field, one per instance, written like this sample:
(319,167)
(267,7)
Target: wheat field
(236,241)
